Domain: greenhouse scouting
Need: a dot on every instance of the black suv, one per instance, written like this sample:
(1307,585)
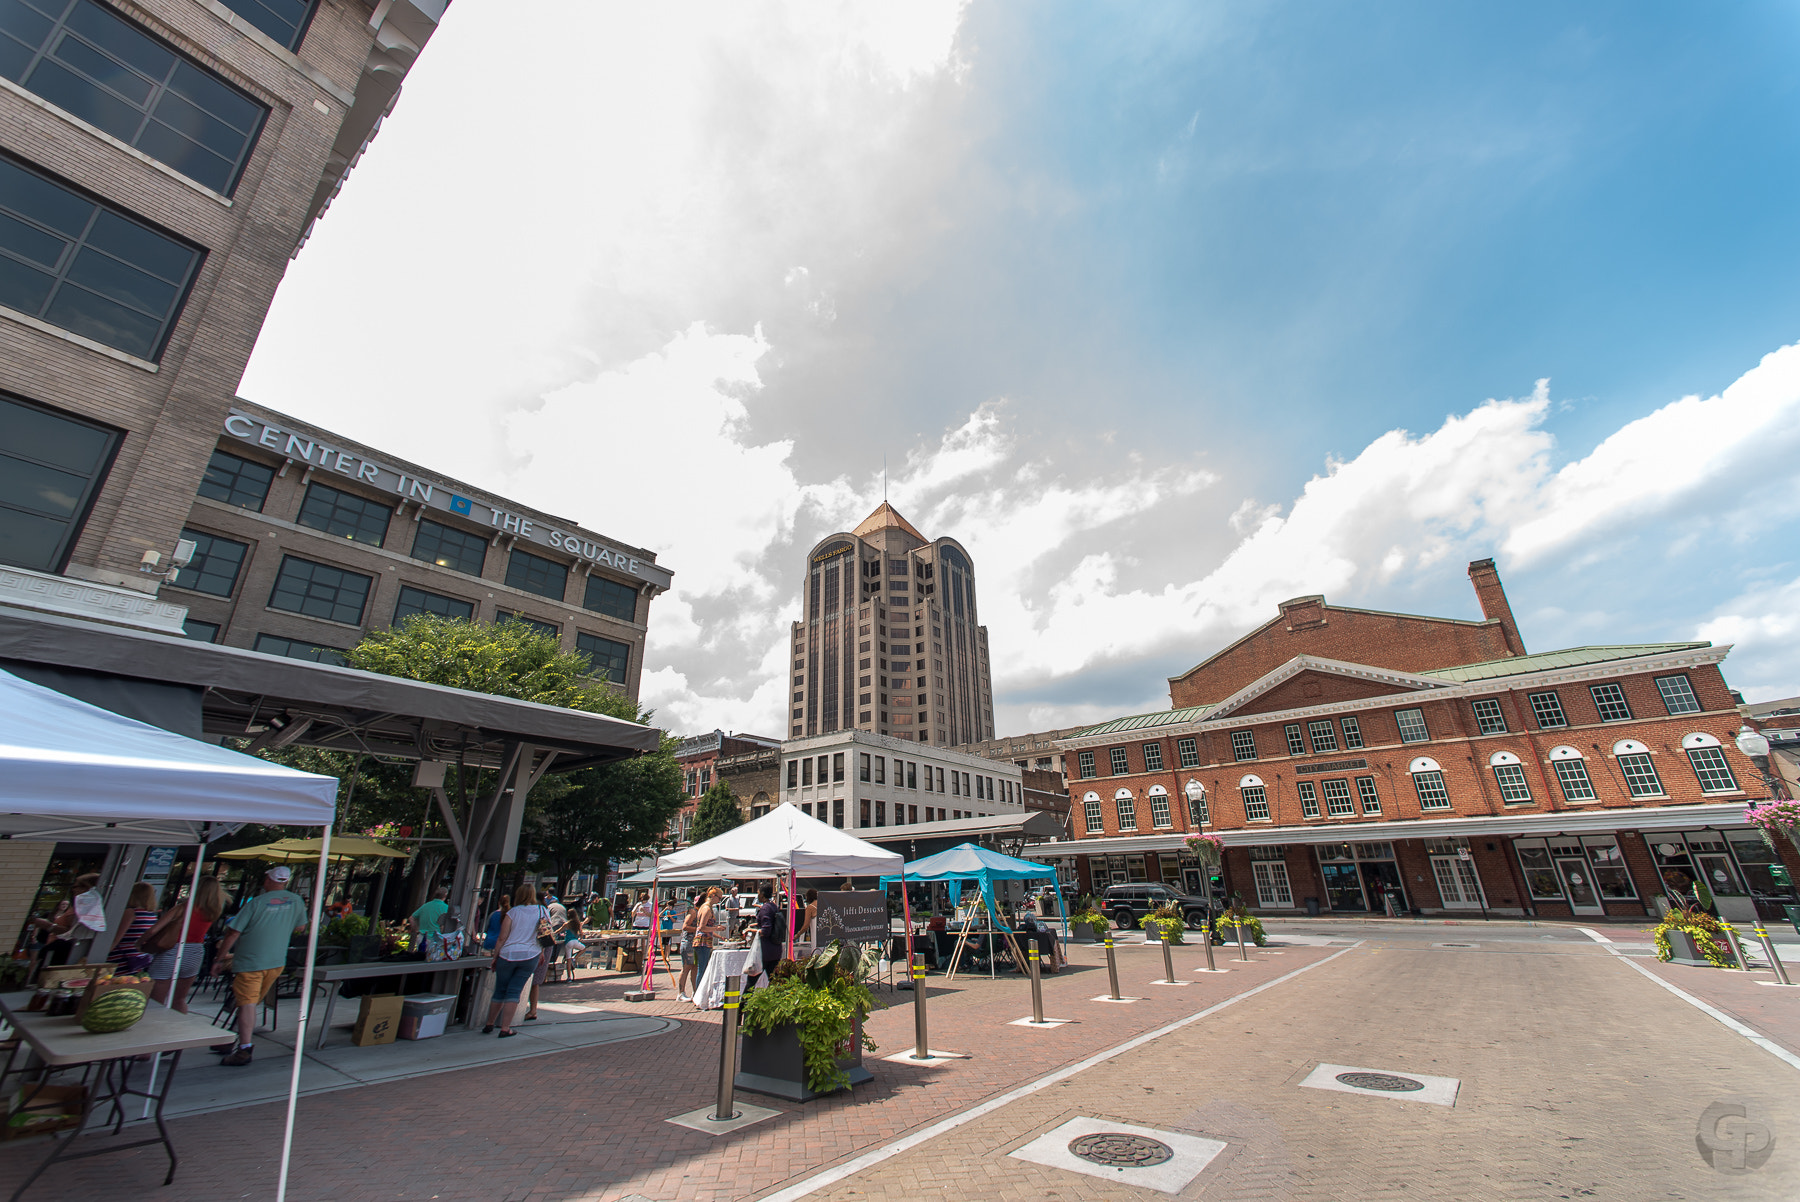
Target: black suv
(1127,905)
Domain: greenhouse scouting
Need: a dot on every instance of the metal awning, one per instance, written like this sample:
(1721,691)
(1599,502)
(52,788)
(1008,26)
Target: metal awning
(1037,824)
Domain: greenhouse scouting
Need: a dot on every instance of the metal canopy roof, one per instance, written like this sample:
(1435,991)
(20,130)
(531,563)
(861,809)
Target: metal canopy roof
(1572,657)
(283,701)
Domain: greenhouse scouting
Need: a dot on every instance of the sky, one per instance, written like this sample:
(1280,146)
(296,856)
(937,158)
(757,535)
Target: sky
(1167,311)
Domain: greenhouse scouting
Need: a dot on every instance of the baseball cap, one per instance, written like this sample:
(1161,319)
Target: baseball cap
(280,874)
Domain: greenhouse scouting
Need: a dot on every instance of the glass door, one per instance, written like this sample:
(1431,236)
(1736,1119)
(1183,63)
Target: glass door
(1381,879)
(1458,886)
(1578,880)
(1343,887)
(1192,882)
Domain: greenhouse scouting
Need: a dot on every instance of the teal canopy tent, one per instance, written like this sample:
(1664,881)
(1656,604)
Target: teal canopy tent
(971,862)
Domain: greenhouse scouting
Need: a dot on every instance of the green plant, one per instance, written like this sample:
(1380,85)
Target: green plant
(340,931)
(823,998)
(1088,911)
(1226,928)
(13,973)
(1168,922)
(1698,925)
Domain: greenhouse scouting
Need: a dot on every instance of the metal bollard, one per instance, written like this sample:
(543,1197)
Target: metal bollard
(1112,967)
(1037,988)
(1208,941)
(1168,963)
(1737,948)
(1769,950)
(1242,953)
(921,1039)
(734,989)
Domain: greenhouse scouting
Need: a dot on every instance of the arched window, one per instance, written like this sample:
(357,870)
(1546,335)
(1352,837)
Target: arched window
(1502,757)
(1572,775)
(1636,766)
(1565,752)
(1256,798)
(1707,758)
(1509,774)
(1160,817)
(1428,783)
(1127,807)
(1090,809)
(1199,814)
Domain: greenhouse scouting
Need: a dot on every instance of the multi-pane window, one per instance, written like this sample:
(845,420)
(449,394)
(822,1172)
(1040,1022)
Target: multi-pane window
(1365,792)
(1712,770)
(235,481)
(1411,724)
(1198,813)
(537,625)
(1243,747)
(319,590)
(345,514)
(1272,888)
(215,566)
(1084,764)
(416,601)
(87,267)
(1572,777)
(866,771)
(449,547)
(283,20)
(1256,803)
(1488,718)
(200,632)
(1337,799)
(90,62)
(1309,799)
(1430,787)
(1609,699)
(1096,822)
(1120,763)
(1127,807)
(535,574)
(270,644)
(1296,744)
(1352,732)
(1547,711)
(1640,775)
(1678,694)
(1153,760)
(1511,779)
(611,598)
(606,657)
(1322,736)
(1160,817)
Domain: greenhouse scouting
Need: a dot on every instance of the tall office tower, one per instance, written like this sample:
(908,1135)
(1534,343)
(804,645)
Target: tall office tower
(890,639)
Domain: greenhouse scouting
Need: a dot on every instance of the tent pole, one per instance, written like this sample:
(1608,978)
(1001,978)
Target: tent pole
(187,920)
(793,892)
(306,987)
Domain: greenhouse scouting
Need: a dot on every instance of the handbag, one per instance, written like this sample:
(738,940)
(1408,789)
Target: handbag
(546,937)
(164,935)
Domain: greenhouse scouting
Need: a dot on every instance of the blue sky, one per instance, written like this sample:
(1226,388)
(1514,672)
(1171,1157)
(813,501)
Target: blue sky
(1168,311)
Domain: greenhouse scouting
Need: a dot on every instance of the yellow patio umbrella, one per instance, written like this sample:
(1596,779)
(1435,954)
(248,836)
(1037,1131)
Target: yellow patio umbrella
(293,851)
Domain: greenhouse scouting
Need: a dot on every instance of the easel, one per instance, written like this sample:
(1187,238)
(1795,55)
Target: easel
(963,935)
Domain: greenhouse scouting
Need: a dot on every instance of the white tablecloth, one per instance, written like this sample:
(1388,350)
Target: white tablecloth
(709,994)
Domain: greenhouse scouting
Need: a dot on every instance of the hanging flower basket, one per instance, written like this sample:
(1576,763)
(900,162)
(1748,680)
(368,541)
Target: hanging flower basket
(1208,849)
(1776,820)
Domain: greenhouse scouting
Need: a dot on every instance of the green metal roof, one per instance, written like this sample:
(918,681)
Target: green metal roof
(1144,721)
(1574,657)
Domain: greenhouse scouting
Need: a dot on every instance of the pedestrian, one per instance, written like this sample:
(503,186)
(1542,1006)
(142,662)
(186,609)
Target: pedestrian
(424,921)
(80,917)
(254,951)
(643,912)
(691,964)
(140,916)
(491,939)
(812,914)
(178,966)
(771,928)
(516,958)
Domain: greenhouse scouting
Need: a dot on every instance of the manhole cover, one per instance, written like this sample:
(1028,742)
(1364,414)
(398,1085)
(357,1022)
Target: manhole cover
(1117,1150)
(1382,1081)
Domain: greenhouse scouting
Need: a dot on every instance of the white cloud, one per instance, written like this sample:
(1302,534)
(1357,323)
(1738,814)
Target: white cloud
(1763,624)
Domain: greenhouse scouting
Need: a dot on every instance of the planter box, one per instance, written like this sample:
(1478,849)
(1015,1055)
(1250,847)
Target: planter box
(1683,951)
(1081,932)
(774,1064)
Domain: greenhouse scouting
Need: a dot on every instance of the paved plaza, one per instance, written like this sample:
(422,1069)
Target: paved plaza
(1548,1065)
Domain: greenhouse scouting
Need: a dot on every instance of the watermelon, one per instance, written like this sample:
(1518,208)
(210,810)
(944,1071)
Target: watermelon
(114,1011)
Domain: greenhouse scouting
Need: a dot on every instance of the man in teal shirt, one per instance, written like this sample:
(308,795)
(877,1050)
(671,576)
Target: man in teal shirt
(425,920)
(254,950)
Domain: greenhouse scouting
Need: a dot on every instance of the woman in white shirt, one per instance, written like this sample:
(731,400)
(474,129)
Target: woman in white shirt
(516,955)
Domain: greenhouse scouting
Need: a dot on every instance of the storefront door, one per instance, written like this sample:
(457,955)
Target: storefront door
(1192,882)
(1729,895)
(1343,887)
(1578,880)
(1379,879)
(1458,886)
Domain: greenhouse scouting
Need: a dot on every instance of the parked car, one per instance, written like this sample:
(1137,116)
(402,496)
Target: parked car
(1127,905)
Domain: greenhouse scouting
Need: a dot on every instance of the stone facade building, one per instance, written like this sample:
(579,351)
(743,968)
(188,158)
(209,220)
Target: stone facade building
(700,758)
(853,779)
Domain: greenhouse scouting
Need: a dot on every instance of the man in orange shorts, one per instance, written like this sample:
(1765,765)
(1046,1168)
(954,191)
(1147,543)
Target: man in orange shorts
(254,950)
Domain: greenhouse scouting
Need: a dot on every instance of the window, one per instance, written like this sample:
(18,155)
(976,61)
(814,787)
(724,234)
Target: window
(1678,694)
(611,598)
(1547,710)
(837,813)
(1243,747)
(1411,724)
(200,632)
(415,601)
(1640,775)
(1352,733)
(1160,817)
(449,547)
(235,481)
(606,657)
(1120,766)
(1365,792)
(1309,799)
(940,780)
(1256,803)
(1488,718)
(1610,873)
(837,768)
(1295,744)
(320,591)
(87,267)
(1198,812)
(541,627)
(1572,778)
(1511,779)
(881,770)
(1084,762)
(1337,799)
(1153,760)
(1090,807)
(535,574)
(284,21)
(344,514)
(1541,879)
(269,644)
(864,771)
(1322,735)
(1127,807)
(912,775)
(806,767)
(793,778)
(88,61)
(1430,787)
(1272,884)
(1187,751)
(215,566)
(1711,769)
(1609,699)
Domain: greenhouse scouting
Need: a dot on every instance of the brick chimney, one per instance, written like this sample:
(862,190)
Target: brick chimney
(1492,595)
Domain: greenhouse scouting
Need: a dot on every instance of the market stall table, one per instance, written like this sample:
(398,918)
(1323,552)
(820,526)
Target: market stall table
(332,976)
(709,991)
(60,1042)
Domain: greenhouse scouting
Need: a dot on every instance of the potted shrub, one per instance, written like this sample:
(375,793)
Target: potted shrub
(803,1035)
(1088,923)
(1166,923)
(351,933)
(1237,917)
(1691,935)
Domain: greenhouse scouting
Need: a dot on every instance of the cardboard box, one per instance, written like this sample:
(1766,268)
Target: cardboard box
(40,1109)
(377,1019)
(425,1015)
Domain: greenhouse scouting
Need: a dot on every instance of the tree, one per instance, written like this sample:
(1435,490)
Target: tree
(717,813)
(596,815)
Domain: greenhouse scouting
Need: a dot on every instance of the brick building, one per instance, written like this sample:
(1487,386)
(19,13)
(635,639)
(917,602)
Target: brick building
(1422,768)
(1038,750)
(700,757)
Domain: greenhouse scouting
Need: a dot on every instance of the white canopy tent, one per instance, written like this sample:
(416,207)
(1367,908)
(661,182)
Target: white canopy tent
(70,770)
(782,842)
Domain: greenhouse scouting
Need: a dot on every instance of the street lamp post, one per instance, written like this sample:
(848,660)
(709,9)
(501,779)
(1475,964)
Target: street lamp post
(1756,749)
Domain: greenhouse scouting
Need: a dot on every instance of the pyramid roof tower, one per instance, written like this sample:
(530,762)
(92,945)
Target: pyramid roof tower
(886,515)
